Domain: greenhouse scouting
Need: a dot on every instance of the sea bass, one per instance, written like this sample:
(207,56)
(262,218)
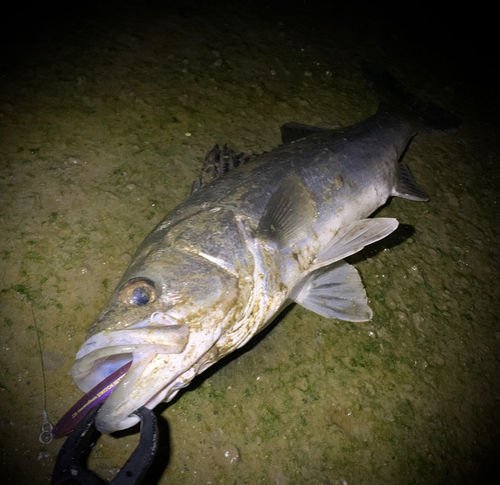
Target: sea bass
(245,244)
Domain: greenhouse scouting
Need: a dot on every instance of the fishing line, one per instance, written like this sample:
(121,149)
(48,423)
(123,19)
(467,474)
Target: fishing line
(45,437)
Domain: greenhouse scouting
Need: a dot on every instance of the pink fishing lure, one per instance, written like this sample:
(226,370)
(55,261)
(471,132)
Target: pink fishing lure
(95,396)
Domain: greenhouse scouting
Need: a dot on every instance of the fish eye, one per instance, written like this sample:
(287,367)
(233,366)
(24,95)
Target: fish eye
(138,292)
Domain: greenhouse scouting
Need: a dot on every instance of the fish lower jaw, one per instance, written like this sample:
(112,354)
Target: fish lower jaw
(104,353)
(104,426)
(117,412)
(153,376)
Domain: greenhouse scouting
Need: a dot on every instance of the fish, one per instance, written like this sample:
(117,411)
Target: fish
(256,234)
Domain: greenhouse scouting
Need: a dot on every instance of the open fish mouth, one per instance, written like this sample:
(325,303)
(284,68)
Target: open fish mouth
(126,356)
(104,353)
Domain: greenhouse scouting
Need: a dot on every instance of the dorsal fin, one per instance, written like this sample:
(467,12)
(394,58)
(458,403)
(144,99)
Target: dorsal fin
(217,163)
(295,131)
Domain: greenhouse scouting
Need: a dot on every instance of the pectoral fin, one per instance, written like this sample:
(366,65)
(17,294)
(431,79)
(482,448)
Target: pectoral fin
(335,292)
(289,212)
(354,238)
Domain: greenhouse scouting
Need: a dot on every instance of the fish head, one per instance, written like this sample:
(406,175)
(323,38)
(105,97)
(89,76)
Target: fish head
(165,316)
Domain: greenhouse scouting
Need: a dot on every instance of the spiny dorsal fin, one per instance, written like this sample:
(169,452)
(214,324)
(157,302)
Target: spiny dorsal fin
(217,163)
(288,213)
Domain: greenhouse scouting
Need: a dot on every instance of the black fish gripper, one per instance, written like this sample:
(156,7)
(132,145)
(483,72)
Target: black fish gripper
(71,462)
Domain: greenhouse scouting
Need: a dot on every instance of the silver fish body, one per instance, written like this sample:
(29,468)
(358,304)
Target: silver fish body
(224,263)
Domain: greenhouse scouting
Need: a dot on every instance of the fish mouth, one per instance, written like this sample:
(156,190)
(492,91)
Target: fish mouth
(105,352)
(145,346)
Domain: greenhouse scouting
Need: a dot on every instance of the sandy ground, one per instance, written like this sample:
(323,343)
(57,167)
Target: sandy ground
(105,117)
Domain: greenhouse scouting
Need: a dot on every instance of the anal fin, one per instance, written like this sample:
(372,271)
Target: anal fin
(407,188)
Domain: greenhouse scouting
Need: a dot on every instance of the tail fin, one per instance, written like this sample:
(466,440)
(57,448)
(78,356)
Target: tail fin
(393,96)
